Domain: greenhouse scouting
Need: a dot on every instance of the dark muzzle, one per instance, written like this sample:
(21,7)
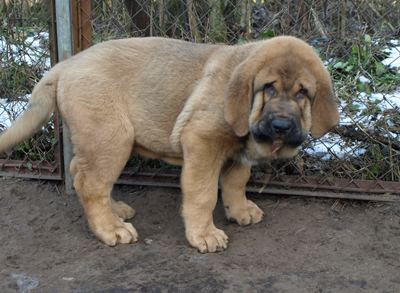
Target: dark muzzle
(281,126)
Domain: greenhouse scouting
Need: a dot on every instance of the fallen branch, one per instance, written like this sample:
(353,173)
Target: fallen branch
(362,134)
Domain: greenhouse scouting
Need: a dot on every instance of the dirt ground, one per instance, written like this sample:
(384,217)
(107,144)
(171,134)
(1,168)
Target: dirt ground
(302,245)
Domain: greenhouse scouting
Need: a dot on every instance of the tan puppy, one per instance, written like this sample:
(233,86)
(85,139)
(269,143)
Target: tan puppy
(214,109)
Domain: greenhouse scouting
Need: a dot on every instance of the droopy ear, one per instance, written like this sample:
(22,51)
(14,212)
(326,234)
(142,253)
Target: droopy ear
(237,99)
(325,114)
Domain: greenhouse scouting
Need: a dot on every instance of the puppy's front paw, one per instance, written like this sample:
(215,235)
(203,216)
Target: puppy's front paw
(244,214)
(207,240)
(112,233)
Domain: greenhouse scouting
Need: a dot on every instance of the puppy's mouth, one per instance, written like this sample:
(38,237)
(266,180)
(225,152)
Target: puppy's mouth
(276,145)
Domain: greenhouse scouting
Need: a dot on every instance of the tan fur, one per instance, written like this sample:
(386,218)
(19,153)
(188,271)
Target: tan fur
(197,105)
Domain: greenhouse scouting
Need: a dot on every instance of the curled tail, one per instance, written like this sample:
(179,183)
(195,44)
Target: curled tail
(41,105)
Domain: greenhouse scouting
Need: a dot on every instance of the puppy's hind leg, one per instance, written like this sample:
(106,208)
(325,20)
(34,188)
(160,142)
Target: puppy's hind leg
(100,155)
(120,208)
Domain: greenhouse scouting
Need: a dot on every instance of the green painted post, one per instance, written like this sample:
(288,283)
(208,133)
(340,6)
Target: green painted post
(64,43)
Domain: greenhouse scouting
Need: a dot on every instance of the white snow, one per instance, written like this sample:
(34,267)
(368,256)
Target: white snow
(393,60)
(363,79)
(33,52)
(11,111)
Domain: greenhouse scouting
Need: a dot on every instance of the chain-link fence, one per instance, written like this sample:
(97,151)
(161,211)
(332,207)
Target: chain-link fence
(26,38)
(358,40)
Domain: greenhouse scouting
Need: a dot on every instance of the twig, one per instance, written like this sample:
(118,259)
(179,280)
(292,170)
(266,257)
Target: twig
(318,23)
(5,109)
(361,134)
(374,10)
(11,266)
(335,204)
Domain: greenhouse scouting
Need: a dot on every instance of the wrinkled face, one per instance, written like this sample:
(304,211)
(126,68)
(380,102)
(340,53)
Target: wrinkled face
(275,97)
(280,117)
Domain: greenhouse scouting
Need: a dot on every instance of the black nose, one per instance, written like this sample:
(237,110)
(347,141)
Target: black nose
(281,126)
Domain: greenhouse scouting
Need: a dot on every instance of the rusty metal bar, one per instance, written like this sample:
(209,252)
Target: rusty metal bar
(297,192)
(276,191)
(52,32)
(285,185)
(286,181)
(85,24)
(58,146)
(75,26)
(340,185)
(81,25)
(29,176)
(43,166)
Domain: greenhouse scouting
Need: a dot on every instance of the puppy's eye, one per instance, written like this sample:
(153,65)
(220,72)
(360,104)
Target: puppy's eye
(269,88)
(301,94)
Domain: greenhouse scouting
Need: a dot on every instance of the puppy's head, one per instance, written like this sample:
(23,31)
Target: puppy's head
(279,94)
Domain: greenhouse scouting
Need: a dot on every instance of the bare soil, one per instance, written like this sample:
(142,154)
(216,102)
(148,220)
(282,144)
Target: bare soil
(302,245)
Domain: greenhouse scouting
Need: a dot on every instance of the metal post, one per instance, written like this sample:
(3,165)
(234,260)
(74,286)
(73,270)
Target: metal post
(64,43)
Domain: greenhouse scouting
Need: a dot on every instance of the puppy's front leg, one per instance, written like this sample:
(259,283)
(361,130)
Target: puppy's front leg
(234,177)
(199,182)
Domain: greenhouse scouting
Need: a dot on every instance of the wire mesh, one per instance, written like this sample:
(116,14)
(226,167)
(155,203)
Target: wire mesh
(357,40)
(26,38)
